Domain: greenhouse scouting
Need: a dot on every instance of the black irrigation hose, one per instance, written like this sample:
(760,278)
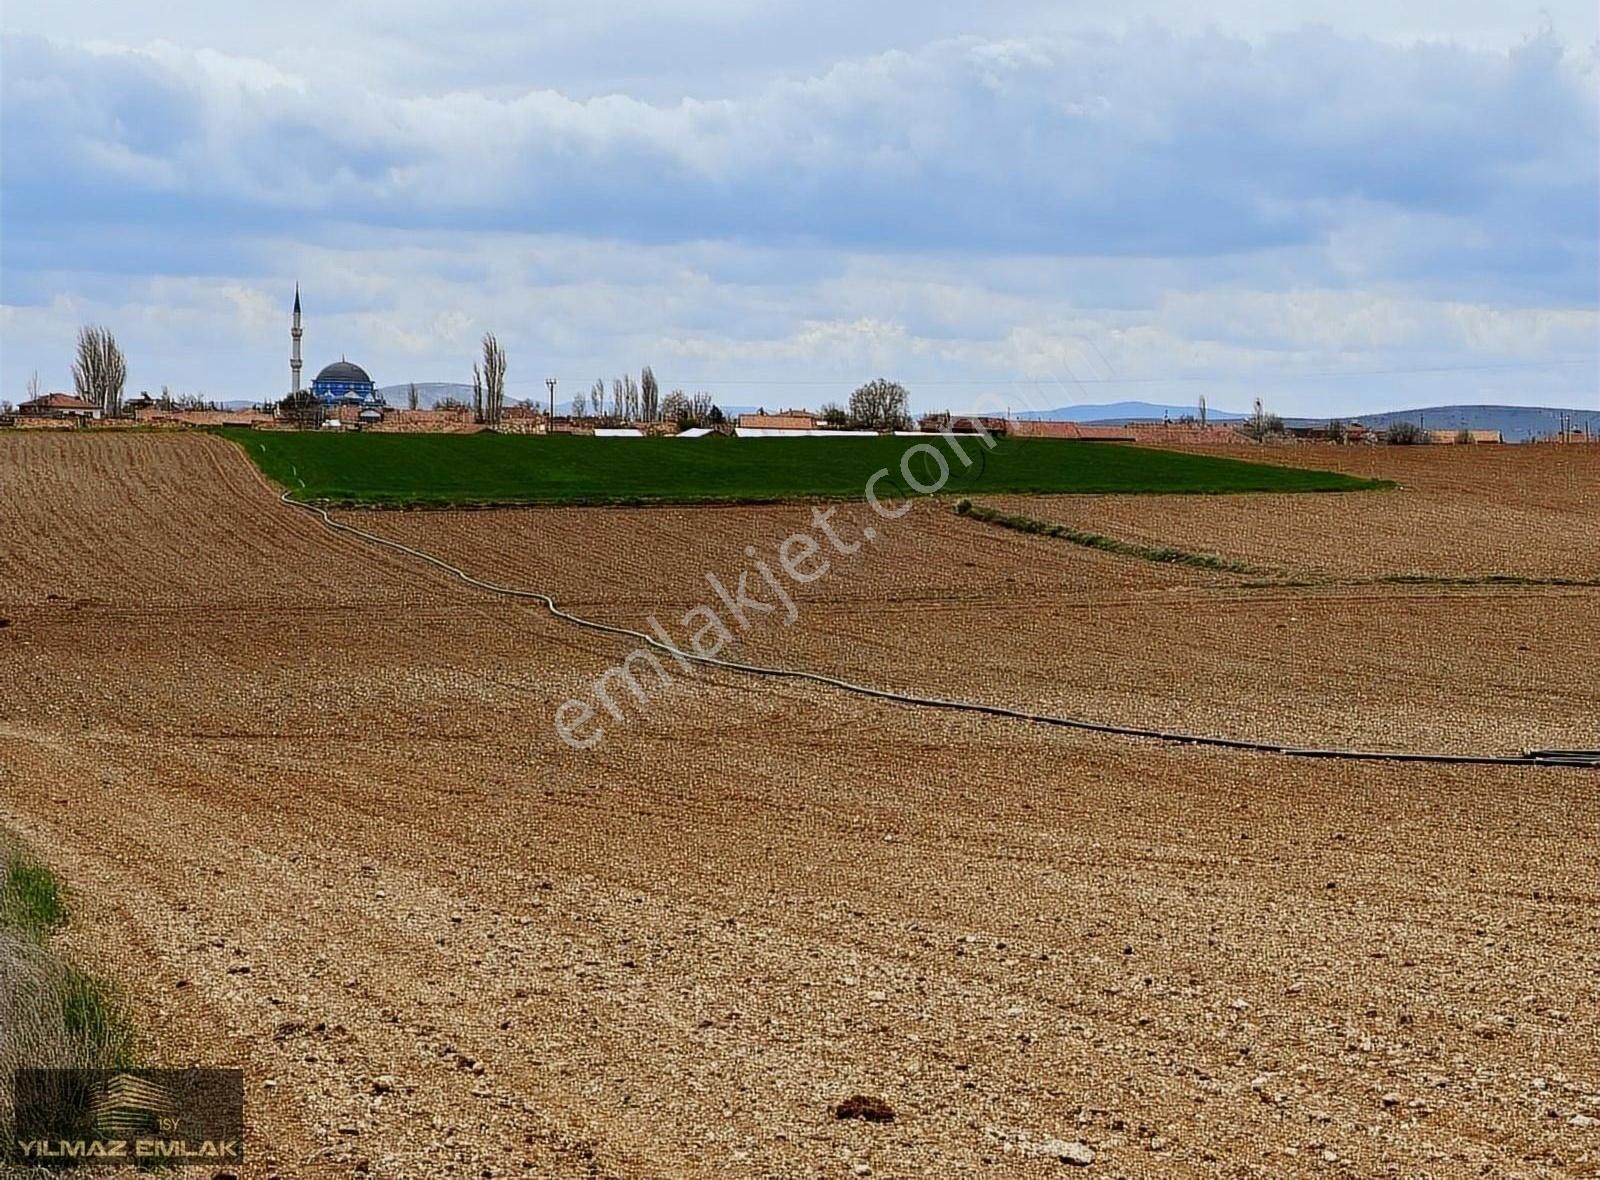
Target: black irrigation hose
(1587,759)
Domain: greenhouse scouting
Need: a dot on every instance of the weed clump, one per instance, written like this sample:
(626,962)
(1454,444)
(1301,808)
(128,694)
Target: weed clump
(52,1014)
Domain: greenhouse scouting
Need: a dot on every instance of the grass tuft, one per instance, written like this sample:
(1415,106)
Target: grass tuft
(96,1019)
(30,898)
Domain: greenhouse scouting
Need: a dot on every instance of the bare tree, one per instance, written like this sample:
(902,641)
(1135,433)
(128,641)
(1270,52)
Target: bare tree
(834,414)
(33,386)
(1262,424)
(578,404)
(649,395)
(700,408)
(489,382)
(675,408)
(630,398)
(100,370)
(412,399)
(597,397)
(618,397)
(881,405)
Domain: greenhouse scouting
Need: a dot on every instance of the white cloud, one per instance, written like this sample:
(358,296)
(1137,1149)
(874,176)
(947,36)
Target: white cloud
(1072,207)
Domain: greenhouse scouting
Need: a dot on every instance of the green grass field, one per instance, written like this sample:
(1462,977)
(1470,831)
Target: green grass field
(444,469)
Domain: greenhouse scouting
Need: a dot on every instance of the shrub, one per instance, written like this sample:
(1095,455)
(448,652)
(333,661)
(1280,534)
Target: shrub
(1406,434)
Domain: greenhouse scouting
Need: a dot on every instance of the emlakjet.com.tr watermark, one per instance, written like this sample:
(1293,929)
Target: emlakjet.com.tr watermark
(759,595)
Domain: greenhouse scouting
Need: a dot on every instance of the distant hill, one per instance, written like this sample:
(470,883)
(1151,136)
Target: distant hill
(1515,423)
(429,393)
(1123,412)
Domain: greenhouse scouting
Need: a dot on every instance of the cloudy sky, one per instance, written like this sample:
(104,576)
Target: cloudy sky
(1334,206)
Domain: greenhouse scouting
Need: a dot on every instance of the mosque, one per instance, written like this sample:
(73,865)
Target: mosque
(339,384)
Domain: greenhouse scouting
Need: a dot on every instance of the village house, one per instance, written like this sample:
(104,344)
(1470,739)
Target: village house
(58,405)
(962,424)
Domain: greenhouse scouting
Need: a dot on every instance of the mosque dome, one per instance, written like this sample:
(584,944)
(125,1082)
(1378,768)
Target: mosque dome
(344,371)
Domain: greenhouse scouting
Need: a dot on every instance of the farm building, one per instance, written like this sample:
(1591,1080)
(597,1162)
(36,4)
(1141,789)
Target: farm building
(783,420)
(1070,431)
(1351,432)
(963,424)
(765,432)
(1447,437)
(58,405)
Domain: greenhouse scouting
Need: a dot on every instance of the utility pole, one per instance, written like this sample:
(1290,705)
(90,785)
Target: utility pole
(550,384)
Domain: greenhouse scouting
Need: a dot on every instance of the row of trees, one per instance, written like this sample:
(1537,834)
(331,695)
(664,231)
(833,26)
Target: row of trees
(489,382)
(632,401)
(641,401)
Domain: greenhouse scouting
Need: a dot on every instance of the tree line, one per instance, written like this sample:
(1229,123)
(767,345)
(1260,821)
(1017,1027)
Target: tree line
(100,371)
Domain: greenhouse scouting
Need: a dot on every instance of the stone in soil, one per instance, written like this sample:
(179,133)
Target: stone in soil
(865,1107)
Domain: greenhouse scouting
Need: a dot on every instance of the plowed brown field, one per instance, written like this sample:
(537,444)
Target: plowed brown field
(1532,512)
(163,519)
(309,798)
(943,606)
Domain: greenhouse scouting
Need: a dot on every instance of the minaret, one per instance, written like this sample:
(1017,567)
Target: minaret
(294,354)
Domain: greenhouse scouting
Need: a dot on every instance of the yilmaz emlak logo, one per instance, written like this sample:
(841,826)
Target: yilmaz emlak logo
(79,1116)
(129,1106)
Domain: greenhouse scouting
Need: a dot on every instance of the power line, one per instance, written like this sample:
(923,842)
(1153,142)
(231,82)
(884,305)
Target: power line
(1174,379)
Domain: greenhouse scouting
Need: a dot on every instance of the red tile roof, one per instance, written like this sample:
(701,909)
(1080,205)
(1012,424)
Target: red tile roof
(60,401)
